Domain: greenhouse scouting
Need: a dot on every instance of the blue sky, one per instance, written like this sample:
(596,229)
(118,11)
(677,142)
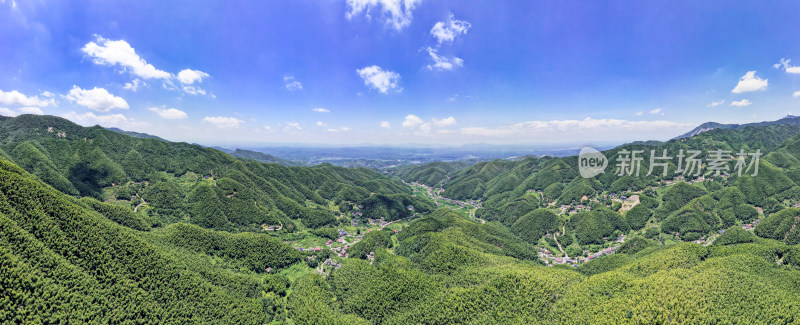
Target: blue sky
(401,71)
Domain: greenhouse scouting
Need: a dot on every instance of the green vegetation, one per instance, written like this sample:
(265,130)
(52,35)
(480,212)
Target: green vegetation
(100,227)
(536,224)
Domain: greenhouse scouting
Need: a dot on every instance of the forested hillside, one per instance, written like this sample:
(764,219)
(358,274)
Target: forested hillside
(97,226)
(667,207)
(178,181)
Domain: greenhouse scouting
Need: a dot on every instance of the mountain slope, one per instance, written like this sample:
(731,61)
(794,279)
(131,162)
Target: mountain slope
(708,126)
(61,261)
(178,181)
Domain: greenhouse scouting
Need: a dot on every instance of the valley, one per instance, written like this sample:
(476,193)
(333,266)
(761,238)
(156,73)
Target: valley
(196,235)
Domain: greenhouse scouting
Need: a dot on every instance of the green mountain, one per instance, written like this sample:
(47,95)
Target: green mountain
(173,182)
(263,157)
(101,227)
(136,134)
(708,126)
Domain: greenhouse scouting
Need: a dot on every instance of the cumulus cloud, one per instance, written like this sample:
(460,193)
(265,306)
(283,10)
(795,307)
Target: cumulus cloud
(447,31)
(741,103)
(796,94)
(444,122)
(320,110)
(7,112)
(656,111)
(120,53)
(412,121)
(749,82)
(442,63)
(108,120)
(379,79)
(97,99)
(639,113)
(189,76)
(223,122)
(321,124)
(169,113)
(17,98)
(386,125)
(22,110)
(717,103)
(396,13)
(787,67)
(291,84)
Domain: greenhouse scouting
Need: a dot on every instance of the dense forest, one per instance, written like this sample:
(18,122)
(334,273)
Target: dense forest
(104,227)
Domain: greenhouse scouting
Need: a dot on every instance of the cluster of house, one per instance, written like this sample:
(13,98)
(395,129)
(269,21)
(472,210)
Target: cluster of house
(313,249)
(568,209)
(378,222)
(750,226)
(550,259)
(271,227)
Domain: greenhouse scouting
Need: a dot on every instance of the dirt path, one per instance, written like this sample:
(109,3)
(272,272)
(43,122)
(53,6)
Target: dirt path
(140,204)
(555,238)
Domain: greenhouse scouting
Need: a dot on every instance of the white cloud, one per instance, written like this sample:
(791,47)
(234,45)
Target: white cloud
(97,99)
(322,124)
(382,80)
(796,94)
(31,110)
(268,128)
(7,112)
(786,67)
(749,82)
(452,99)
(741,103)
(192,90)
(223,122)
(341,129)
(320,110)
(386,125)
(108,52)
(292,126)
(446,31)
(444,122)
(48,94)
(89,119)
(22,110)
(639,113)
(189,76)
(134,84)
(442,63)
(412,121)
(656,111)
(169,113)
(717,103)
(572,128)
(396,13)
(19,99)
(292,84)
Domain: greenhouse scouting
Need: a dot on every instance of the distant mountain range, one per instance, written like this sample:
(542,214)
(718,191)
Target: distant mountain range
(708,126)
(136,134)
(260,156)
